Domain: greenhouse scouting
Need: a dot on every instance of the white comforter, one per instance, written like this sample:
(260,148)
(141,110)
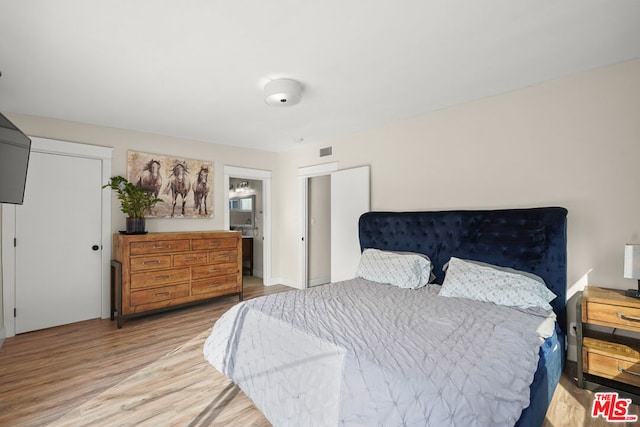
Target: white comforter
(359,353)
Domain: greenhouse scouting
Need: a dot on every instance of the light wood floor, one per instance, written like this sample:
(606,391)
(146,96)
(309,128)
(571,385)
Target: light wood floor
(56,376)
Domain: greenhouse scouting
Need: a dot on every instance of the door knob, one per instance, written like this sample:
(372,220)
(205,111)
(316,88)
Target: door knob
(95,247)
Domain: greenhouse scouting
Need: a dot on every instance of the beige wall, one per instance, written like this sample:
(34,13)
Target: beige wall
(573,142)
(123,140)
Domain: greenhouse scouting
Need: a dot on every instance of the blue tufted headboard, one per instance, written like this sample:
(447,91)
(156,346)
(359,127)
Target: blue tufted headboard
(532,240)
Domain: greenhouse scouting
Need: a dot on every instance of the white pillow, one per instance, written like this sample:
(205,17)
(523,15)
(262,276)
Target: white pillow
(406,270)
(484,282)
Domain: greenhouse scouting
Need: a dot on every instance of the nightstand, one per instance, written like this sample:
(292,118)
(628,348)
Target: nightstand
(605,358)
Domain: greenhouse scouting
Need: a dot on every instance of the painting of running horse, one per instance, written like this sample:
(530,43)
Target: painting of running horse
(184,185)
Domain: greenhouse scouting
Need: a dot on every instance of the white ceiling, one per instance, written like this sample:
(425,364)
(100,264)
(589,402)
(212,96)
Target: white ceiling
(196,68)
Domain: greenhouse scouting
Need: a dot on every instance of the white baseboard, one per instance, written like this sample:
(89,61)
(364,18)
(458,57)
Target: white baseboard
(281,281)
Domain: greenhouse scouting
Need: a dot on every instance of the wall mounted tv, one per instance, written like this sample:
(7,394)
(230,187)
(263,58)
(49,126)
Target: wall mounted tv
(15,147)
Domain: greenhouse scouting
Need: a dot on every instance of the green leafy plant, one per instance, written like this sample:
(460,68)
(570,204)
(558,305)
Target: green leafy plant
(134,201)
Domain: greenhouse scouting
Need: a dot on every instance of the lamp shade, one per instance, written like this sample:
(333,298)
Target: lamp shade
(632,261)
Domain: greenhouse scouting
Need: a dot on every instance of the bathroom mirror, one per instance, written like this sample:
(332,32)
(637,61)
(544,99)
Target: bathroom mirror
(241,211)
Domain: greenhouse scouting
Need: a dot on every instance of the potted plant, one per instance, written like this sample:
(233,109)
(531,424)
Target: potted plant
(134,202)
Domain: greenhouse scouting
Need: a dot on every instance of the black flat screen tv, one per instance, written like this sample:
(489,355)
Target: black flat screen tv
(15,147)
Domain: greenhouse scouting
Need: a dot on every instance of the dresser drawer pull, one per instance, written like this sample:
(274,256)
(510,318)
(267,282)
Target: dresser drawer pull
(190,258)
(151,262)
(162,294)
(215,270)
(161,277)
(162,247)
(622,316)
(637,374)
(214,243)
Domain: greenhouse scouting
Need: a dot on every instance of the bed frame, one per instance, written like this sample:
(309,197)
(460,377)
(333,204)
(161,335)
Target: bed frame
(532,240)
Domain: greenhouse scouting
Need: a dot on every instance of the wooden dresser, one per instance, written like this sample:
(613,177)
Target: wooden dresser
(157,271)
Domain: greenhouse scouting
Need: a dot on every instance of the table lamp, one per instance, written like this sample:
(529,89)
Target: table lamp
(632,268)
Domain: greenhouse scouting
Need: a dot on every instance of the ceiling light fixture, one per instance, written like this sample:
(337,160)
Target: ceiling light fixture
(282,93)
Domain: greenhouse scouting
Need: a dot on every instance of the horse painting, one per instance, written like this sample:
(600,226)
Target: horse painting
(179,184)
(201,190)
(150,178)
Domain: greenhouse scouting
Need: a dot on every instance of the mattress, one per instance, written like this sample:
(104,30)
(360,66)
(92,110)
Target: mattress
(363,353)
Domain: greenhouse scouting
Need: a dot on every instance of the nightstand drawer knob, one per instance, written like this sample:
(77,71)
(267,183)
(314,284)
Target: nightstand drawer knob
(622,316)
(637,374)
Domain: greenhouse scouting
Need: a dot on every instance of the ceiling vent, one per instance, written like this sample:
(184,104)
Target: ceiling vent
(282,93)
(325,151)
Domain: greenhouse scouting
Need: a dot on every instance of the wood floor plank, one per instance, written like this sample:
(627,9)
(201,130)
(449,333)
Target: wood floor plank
(152,373)
(48,373)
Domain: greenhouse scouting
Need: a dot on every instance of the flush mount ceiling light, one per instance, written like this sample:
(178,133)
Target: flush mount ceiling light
(282,92)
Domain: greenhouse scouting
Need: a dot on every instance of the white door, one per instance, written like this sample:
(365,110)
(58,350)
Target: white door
(58,242)
(350,198)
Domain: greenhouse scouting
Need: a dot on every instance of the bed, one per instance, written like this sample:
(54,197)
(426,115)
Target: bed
(364,352)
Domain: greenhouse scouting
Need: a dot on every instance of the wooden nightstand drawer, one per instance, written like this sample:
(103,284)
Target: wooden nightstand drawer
(610,307)
(614,360)
(613,315)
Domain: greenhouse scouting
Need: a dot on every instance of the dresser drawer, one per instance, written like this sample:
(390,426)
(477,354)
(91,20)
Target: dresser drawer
(159,246)
(216,243)
(150,262)
(159,277)
(213,270)
(217,257)
(616,316)
(216,286)
(192,258)
(149,296)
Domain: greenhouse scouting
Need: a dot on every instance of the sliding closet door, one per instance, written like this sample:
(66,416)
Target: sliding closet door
(350,198)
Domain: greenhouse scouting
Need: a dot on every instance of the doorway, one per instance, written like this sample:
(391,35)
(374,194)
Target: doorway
(349,197)
(318,230)
(246,215)
(248,209)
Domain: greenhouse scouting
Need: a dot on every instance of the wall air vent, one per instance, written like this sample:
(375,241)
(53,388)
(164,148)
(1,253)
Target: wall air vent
(325,151)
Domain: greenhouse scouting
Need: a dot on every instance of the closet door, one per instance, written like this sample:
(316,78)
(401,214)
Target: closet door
(350,198)
(58,242)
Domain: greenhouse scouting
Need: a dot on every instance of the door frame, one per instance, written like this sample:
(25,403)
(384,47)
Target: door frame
(304,174)
(62,148)
(265,177)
